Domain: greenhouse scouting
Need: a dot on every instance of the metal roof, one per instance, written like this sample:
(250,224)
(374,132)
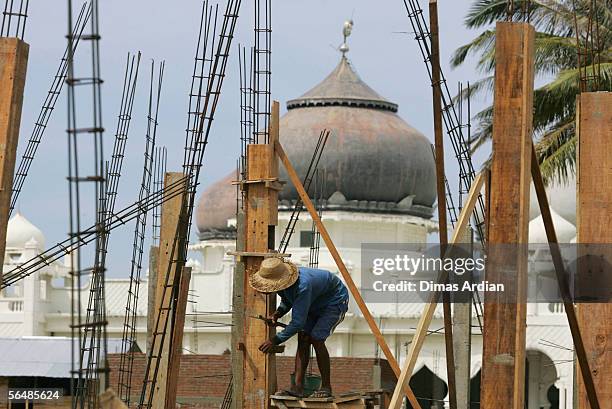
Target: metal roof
(40,356)
(343,87)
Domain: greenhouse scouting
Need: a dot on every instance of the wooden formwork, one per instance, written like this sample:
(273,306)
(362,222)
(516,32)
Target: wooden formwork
(13,67)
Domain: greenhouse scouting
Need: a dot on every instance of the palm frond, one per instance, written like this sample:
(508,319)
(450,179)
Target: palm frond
(484,41)
(553,15)
(556,51)
(552,53)
(556,153)
(481,86)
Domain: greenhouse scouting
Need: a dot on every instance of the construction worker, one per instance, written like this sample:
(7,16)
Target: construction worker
(318,300)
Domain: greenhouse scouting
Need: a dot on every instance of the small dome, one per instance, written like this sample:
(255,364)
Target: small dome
(216,205)
(20,232)
(561,198)
(565,230)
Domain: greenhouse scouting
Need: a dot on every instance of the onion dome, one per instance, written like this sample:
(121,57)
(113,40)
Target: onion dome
(373,159)
(565,230)
(20,232)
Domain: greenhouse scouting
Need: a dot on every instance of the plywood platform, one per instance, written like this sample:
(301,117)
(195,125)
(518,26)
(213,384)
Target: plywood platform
(354,401)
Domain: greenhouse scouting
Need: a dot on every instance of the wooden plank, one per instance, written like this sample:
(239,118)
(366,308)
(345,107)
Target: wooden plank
(176,346)
(13,67)
(427,315)
(504,331)
(261,215)
(380,339)
(441,191)
(167,265)
(152,286)
(594,218)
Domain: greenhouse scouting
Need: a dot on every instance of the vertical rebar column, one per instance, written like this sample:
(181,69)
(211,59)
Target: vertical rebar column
(85,147)
(262,70)
(14,19)
(449,114)
(128,338)
(47,110)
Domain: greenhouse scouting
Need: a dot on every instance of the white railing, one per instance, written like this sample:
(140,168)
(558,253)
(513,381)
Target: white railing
(11,305)
(556,308)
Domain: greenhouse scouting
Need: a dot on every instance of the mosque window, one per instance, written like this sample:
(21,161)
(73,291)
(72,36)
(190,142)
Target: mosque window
(306,238)
(14,256)
(43,290)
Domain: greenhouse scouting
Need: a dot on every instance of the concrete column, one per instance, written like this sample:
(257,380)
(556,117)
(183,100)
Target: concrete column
(462,339)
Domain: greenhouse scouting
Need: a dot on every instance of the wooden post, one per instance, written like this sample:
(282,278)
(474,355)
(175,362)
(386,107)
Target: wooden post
(563,281)
(503,370)
(380,339)
(594,221)
(152,286)
(13,67)
(441,191)
(168,264)
(421,331)
(259,370)
(176,344)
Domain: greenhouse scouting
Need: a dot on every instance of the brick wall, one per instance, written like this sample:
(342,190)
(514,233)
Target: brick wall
(203,378)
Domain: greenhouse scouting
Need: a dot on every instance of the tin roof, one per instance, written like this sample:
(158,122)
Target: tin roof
(47,357)
(343,87)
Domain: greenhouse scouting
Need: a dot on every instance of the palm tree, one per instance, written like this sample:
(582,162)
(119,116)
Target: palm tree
(556,64)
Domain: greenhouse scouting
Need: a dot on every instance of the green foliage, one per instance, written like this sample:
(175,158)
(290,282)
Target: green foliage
(556,60)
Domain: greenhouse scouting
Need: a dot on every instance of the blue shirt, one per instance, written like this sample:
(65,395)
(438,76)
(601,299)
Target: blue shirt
(312,293)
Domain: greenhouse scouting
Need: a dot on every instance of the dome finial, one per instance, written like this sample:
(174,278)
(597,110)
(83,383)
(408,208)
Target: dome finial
(346,32)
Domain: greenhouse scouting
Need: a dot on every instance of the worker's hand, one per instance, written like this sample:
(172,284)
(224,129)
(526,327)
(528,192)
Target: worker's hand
(273,319)
(266,346)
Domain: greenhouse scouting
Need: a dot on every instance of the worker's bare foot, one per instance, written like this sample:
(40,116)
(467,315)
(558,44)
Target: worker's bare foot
(322,393)
(291,392)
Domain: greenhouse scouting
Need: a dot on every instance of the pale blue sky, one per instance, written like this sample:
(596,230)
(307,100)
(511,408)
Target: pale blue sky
(305,34)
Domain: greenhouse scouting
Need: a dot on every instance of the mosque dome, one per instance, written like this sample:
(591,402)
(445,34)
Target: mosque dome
(216,206)
(373,157)
(373,161)
(561,198)
(20,232)
(564,230)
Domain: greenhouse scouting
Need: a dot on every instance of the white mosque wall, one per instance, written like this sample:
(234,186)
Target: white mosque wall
(40,304)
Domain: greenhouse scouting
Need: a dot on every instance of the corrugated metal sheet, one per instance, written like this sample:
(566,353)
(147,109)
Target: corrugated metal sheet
(39,356)
(116,295)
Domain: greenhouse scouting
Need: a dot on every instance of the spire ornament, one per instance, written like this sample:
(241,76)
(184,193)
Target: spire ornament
(347,28)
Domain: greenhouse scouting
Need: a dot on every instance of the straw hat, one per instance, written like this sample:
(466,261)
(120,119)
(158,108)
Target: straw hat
(275,274)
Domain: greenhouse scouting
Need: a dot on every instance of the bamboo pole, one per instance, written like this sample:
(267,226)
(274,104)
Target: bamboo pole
(427,315)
